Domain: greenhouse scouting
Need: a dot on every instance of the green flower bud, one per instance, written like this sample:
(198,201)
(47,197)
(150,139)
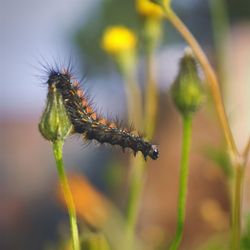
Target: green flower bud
(55,124)
(187,92)
(95,241)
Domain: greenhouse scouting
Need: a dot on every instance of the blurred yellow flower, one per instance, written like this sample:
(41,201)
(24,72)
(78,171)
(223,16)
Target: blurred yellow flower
(90,205)
(148,9)
(118,39)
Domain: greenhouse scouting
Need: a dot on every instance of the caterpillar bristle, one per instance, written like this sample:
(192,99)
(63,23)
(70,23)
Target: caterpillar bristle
(94,116)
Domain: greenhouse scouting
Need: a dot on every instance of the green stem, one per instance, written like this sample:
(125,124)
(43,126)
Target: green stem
(220,25)
(186,142)
(134,100)
(246,151)
(135,189)
(126,63)
(152,34)
(138,163)
(151,96)
(57,149)
(237,204)
(127,66)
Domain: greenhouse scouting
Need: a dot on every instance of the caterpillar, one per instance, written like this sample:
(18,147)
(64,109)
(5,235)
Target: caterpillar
(86,121)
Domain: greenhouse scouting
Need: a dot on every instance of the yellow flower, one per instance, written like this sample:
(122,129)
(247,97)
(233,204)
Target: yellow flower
(118,39)
(148,9)
(90,205)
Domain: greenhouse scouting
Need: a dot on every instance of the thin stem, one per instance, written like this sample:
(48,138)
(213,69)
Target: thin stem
(210,75)
(152,31)
(135,189)
(126,63)
(57,149)
(151,96)
(237,206)
(134,100)
(247,151)
(186,143)
(138,164)
(220,25)
(134,103)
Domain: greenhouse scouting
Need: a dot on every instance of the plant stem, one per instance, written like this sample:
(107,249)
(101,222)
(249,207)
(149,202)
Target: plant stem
(210,75)
(237,205)
(134,106)
(247,151)
(57,149)
(151,96)
(152,31)
(138,163)
(186,143)
(135,189)
(220,27)
(134,100)
(127,66)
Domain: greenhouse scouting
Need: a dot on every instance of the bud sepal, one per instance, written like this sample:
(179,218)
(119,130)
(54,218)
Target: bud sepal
(55,124)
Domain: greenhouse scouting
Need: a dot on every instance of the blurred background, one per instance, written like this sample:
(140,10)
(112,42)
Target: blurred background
(32,31)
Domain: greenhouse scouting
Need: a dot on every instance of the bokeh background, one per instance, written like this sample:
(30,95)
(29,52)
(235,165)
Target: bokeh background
(32,31)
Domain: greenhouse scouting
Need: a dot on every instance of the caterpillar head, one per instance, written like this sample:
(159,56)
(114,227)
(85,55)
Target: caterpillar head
(153,152)
(56,77)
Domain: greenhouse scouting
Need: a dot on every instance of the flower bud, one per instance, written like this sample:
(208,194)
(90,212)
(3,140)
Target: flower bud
(187,92)
(149,9)
(54,124)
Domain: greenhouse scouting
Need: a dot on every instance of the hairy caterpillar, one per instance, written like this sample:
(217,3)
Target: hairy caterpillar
(85,120)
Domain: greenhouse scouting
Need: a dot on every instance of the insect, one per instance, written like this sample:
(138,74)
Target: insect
(88,123)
